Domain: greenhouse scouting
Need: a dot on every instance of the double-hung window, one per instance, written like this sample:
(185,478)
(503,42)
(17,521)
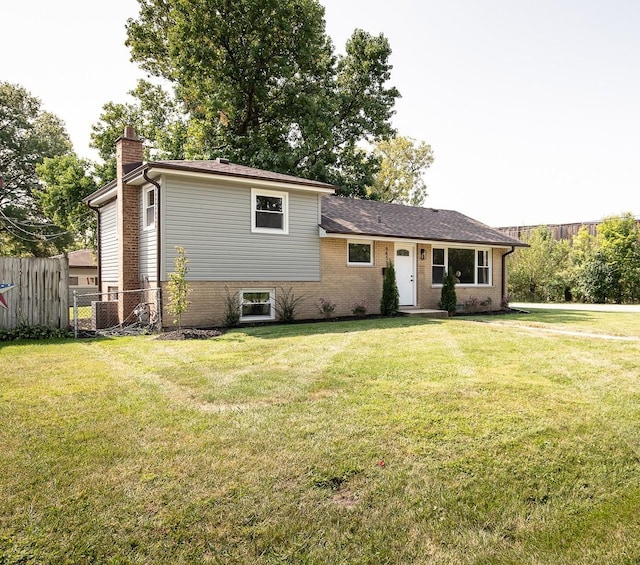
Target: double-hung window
(483,267)
(149,199)
(470,266)
(438,266)
(269,211)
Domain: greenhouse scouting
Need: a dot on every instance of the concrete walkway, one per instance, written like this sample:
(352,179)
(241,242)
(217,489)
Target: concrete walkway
(574,306)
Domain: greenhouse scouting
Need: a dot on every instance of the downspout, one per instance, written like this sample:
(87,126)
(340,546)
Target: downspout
(158,246)
(97,211)
(504,270)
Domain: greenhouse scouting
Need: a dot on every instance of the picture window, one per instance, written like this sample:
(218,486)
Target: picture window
(470,266)
(360,253)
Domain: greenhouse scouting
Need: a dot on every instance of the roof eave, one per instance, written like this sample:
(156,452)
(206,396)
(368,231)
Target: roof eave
(374,235)
(102,195)
(301,184)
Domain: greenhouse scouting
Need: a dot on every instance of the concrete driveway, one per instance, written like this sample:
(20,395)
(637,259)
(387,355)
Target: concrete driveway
(574,306)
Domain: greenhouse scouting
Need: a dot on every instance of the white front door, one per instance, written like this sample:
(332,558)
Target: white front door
(405,273)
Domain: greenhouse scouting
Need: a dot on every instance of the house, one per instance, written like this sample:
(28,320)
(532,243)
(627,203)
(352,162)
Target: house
(253,235)
(83,271)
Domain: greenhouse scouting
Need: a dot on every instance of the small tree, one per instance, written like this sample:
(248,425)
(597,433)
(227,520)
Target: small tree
(390,301)
(178,287)
(448,296)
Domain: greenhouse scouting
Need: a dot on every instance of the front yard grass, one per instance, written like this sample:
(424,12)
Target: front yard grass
(377,441)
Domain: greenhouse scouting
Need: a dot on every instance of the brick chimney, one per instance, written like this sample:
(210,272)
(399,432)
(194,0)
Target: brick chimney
(129,154)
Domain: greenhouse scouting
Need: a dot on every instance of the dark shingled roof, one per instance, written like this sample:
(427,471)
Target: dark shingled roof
(350,216)
(224,167)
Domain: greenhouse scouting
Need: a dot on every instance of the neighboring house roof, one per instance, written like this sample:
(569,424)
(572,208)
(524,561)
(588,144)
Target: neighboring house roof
(81,258)
(349,216)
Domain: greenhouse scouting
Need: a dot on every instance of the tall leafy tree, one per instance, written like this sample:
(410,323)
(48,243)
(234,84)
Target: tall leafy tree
(600,268)
(403,162)
(65,181)
(619,246)
(28,135)
(159,119)
(535,273)
(260,83)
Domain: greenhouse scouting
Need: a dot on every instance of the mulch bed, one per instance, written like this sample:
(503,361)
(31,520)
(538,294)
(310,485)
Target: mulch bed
(191,333)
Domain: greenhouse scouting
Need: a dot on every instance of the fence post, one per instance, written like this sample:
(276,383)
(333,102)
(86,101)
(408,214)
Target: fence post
(75,314)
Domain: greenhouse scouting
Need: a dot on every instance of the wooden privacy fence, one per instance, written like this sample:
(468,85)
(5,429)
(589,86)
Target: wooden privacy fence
(41,295)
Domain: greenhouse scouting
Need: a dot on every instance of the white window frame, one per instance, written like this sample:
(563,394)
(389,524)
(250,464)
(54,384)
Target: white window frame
(255,192)
(488,267)
(368,242)
(271,302)
(148,207)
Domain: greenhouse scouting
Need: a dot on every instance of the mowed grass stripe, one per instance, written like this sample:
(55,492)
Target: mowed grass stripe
(387,441)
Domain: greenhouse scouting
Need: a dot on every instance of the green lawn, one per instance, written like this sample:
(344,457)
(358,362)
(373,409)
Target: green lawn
(466,440)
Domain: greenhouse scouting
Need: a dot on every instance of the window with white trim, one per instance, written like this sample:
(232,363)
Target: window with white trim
(470,266)
(360,253)
(483,267)
(438,266)
(269,211)
(149,199)
(257,304)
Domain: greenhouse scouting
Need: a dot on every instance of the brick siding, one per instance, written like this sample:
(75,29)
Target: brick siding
(344,285)
(129,150)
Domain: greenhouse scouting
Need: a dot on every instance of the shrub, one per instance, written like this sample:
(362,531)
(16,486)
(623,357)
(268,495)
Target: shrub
(326,307)
(24,331)
(232,309)
(448,296)
(286,305)
(390,301)
(474,304)
(359,308)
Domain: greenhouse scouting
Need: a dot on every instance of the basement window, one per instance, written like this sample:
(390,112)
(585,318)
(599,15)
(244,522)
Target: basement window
(257,304)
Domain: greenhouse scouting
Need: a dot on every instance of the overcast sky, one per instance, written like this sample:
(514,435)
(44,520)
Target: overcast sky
(532,108)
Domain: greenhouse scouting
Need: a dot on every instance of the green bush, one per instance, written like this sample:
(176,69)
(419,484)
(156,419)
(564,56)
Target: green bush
(448,298)
(390,301)
(24,331)
(287,304)
(232,309)
(326,307)
(359,308)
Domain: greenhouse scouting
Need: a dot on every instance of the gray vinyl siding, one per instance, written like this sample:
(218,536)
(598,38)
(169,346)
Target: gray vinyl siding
(213,224)
(148,244)
(109,242)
